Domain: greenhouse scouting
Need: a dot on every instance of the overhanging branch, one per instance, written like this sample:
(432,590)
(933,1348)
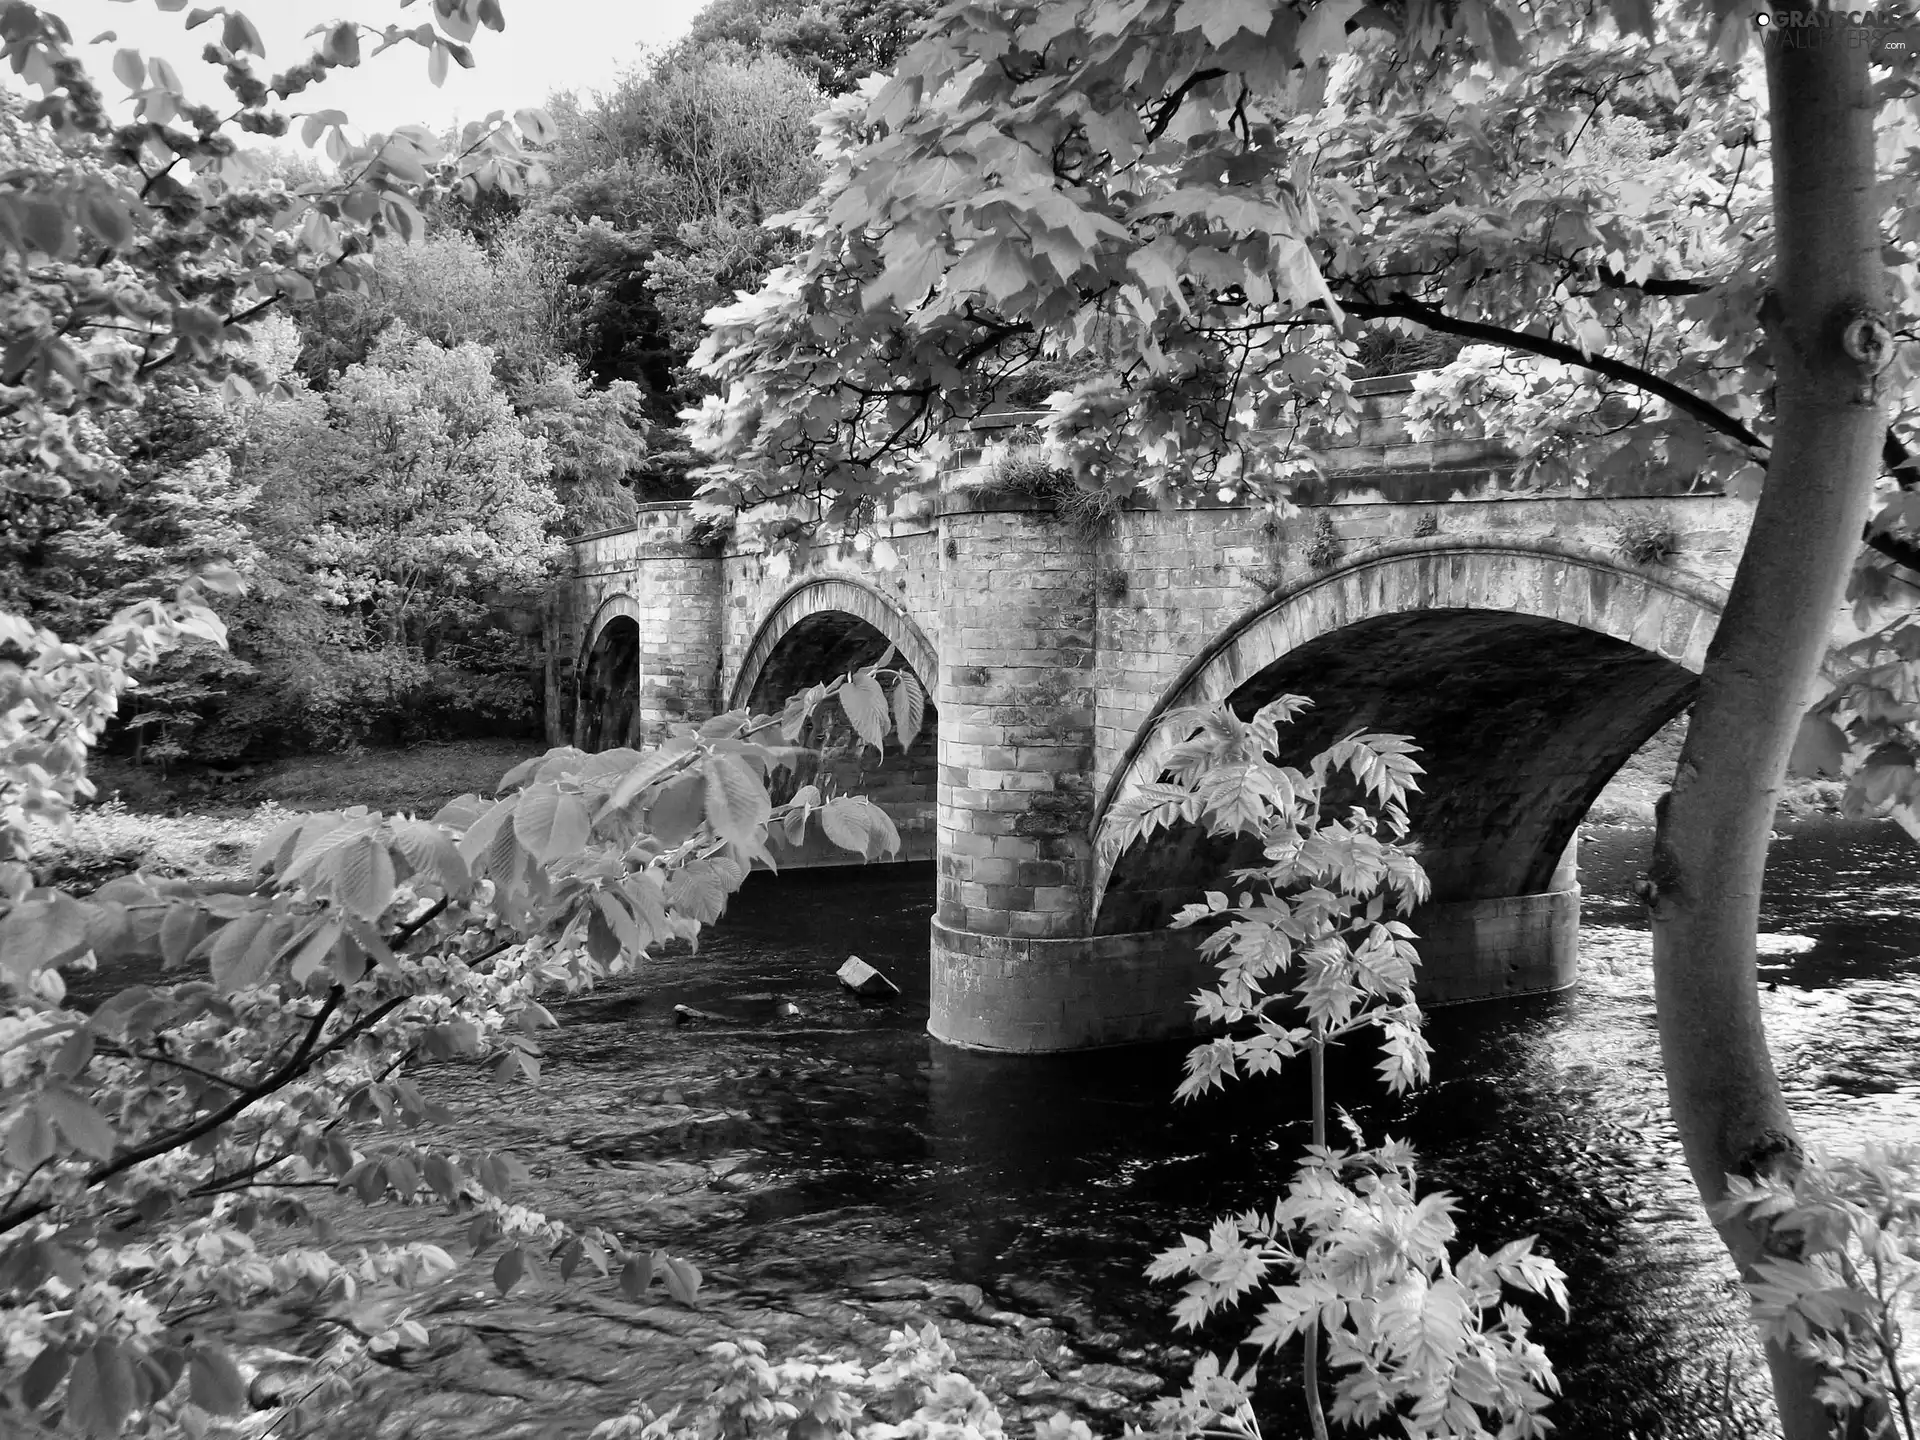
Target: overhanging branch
(1405,307)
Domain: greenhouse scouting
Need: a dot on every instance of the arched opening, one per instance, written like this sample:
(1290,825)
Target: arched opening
(609,708)
(1521,720)
(818,648)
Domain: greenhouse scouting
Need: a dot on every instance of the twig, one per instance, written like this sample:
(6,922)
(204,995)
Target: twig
(413,927)
(125,1053)
(26,1180)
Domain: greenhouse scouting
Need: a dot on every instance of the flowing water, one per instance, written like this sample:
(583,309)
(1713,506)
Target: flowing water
(836,1172)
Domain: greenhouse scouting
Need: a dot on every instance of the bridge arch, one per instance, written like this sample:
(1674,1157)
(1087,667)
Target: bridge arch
(607,700)
(821,609)
(1527,670)
(817,631)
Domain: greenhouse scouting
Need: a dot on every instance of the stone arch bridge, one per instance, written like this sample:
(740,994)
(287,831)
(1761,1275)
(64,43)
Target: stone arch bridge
(1510,633)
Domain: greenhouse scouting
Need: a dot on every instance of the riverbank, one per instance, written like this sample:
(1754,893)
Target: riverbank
(205,823)
(1629,797)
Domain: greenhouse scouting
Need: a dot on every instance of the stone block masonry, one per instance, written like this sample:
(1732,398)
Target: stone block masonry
(1506,632)
(1015,791)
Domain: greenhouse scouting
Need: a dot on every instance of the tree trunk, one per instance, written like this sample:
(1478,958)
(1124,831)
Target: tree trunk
(1827,343)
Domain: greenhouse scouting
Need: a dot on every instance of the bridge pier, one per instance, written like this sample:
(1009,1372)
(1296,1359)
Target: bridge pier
(992,992)
(1015,793)
(995,992)
(1495,949)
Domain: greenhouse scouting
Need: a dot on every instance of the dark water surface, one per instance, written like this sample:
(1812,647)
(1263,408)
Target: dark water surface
(838,1172)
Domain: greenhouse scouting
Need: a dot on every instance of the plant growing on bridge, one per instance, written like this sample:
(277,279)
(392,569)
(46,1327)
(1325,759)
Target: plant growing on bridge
(1667,251)
(164,1147)
(1312,950)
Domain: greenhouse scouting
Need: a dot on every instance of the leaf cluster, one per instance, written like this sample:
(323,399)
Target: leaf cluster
(1841,1280)
(1311,949)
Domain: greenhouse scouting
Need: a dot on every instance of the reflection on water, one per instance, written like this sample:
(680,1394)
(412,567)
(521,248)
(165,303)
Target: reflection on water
(1051,1181)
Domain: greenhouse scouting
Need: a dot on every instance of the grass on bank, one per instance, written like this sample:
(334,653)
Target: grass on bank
(205,825)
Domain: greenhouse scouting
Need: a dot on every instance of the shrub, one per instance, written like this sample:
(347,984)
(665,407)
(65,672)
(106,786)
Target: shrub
(1310,952)
(1649,539)
(1026,472)
(1323,545)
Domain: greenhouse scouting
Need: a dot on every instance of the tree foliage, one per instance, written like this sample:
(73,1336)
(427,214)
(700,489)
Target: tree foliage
(137,255)
(133,247)
(412,489)
(835,43)
(661,188)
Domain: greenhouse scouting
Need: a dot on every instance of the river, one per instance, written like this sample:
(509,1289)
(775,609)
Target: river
(836,1173)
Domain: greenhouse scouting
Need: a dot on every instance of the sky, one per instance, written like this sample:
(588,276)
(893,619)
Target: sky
(548,45)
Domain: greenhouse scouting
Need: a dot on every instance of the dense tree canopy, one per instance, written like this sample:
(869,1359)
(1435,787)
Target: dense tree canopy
(662,189)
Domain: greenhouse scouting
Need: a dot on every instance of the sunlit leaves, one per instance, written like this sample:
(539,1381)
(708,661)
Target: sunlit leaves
(858,825)
(1410,1331)
(551,821)
(1352,1254)
(866,707)
(1842,1276)
(37,933)
(1819,749)
(100,1389)
(214,1382)
(736,801)
(909,707)
(82,1126)
(429,852)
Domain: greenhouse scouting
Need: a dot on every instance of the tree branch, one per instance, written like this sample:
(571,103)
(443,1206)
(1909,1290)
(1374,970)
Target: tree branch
(413,927)
(1170,106)
(296,1066)
(1614,280)
(1405,307)
(148,366)
(1895,458)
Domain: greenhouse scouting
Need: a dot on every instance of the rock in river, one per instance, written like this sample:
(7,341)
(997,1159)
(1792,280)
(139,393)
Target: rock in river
(865,981)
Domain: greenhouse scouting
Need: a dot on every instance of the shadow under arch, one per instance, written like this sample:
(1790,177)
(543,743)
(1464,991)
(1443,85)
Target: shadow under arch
(841,601)
(1527,671)
(607,698)
(816,632)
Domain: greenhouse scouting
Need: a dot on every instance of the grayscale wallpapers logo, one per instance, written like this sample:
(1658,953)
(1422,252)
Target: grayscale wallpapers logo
(1892,35)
